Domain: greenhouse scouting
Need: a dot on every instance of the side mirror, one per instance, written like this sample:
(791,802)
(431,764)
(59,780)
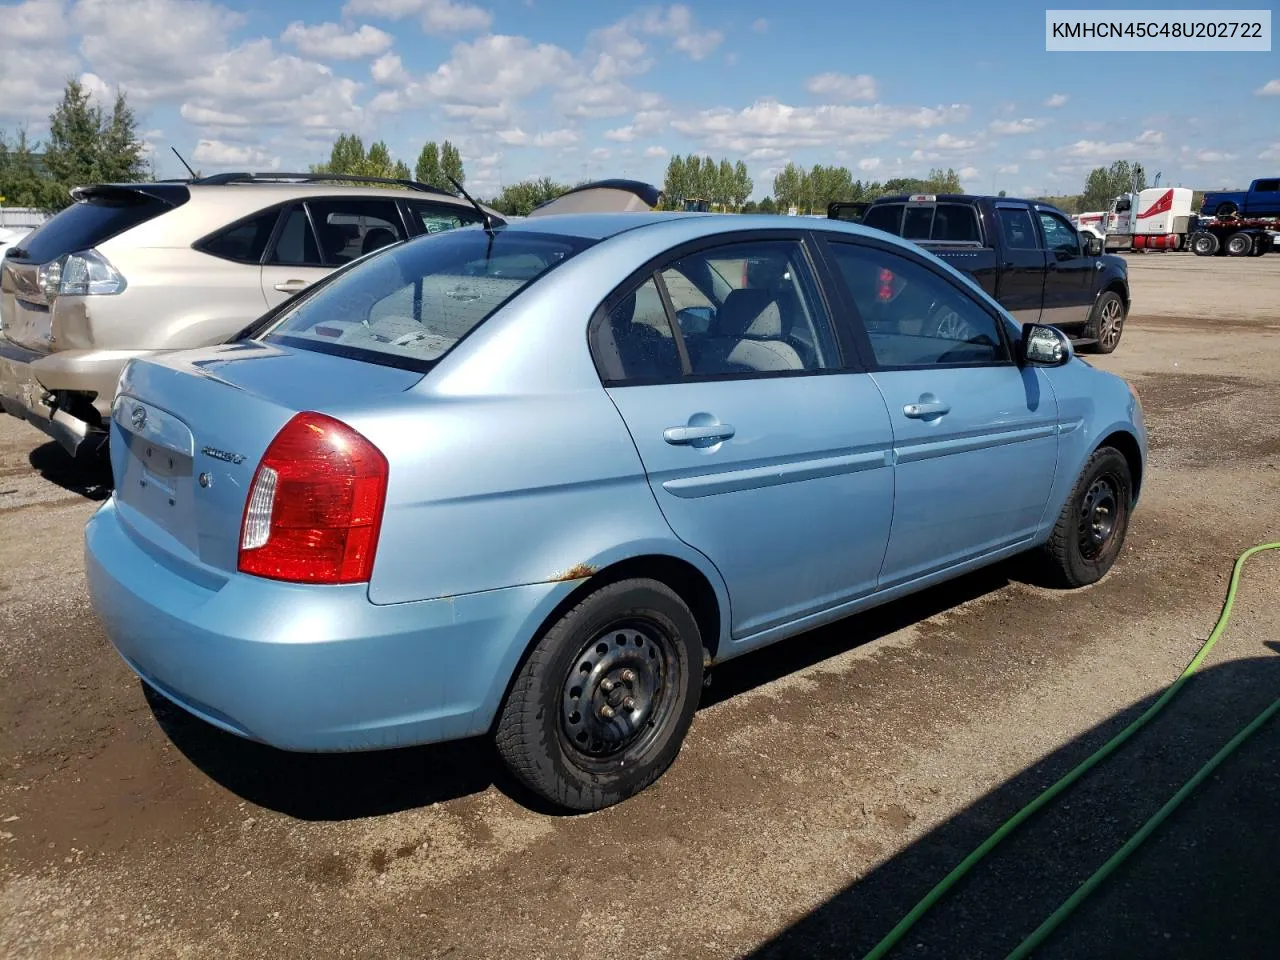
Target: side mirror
(1092,246)
(1044,346)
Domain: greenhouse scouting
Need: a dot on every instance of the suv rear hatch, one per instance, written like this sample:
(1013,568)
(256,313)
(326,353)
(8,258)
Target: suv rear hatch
(32,272)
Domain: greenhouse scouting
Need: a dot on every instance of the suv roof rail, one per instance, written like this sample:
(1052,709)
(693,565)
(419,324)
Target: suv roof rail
(219,179)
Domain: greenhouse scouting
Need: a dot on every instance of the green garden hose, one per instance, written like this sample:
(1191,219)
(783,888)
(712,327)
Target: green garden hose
(1038,936)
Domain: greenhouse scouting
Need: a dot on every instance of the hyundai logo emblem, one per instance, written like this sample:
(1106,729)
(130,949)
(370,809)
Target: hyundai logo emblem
(138,417)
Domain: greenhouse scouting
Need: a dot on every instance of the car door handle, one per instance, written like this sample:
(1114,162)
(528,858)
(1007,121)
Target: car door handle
(917,411)
(714,431)
(291,286)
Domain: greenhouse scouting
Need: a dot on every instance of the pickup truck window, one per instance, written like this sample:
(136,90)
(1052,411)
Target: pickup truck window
(1017,229)
(913,317)
(1267,186)
(1059,236)
(940,222)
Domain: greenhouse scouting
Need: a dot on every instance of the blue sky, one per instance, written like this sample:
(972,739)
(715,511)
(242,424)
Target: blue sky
(568,88)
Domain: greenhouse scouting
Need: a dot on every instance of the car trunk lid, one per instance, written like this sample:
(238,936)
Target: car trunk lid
(189,429)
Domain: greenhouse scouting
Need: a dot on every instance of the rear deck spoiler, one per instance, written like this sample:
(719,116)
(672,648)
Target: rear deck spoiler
(172,194)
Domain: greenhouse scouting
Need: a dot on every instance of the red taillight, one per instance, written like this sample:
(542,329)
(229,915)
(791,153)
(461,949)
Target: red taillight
(886,284)
(315,507)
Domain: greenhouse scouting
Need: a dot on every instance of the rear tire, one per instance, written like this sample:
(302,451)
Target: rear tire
(601,707)
(1204,244)
(1225,210)
(1239,244)
(1091,528)
(1106,323)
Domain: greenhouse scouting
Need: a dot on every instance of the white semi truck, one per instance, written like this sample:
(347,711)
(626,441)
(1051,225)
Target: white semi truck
(1159,218)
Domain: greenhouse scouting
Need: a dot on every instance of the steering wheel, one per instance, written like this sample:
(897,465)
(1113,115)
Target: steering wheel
(944,323)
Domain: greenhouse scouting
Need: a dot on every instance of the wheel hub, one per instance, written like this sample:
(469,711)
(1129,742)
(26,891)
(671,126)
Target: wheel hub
(1098,516)
(613,693)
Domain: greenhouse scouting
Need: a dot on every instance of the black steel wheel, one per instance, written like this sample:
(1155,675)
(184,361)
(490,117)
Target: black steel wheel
(1090,530)
(1204,244)
(601,706)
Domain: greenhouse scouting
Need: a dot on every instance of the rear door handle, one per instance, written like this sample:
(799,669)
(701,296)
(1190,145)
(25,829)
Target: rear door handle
(291,286)
(918,411)
(683,435)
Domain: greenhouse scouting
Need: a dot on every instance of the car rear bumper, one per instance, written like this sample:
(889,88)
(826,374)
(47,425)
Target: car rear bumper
(28,379)
(307,668)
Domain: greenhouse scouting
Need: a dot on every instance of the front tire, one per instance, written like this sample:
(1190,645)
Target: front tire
(1205,244)
(601,707)
(1091,528)
(1106,323)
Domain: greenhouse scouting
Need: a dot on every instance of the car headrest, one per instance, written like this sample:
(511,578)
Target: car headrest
(749,313)
(377,237)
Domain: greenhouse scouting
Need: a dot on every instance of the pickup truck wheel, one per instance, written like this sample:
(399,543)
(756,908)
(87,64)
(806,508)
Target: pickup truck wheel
(1106,323)
(1091,528)
(1227,209)
(945,324)
(601,706)
(1204,244)
(1239,244)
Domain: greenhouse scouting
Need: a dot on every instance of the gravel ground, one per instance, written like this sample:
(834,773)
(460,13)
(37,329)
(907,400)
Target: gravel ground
(826,784)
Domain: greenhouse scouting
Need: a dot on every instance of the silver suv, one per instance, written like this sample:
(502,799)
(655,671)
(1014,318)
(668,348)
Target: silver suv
(133,269)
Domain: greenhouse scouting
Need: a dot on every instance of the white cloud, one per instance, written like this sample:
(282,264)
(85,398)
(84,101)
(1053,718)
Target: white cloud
(1097,149)
(867,164)
(388,71)
(967,173)
(1037,154)
(1007,168)
(945,141)
(621,134)
(761,26)
(563,137)
(330,40)
(842,86)
(215,153)
(1057,100)
(1269,89)
(1271,153)
(98,89)
(677,23)
(601,153)
(436,16)
(514,137)
(1213,156)
(1014,127)
(655,151)
(771,123)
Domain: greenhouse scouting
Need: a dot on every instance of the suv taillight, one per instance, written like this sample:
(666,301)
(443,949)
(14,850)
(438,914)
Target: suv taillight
(315,507)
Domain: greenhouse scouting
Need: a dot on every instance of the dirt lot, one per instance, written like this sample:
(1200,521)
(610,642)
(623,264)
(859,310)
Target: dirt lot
(825,787)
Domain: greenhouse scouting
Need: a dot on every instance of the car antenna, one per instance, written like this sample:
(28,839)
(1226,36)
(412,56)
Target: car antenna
(488,221)
(184,163)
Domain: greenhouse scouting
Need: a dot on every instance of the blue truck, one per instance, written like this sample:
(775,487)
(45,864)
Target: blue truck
(1262,199)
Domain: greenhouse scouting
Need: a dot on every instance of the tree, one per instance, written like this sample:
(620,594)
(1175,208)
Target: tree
(675,185)
(20,181)
(789,186)
(428,169)
(768,206)
(348,156)
(742,185)
(1000,194)
(943,181)
(451,165)
(724,184)
(88,145)
(1104,184)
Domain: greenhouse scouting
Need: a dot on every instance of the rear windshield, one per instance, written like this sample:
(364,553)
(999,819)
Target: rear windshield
(937,222)
(409,305)
(87,223)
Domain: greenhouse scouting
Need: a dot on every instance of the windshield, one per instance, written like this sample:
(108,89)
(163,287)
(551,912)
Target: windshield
(408,305)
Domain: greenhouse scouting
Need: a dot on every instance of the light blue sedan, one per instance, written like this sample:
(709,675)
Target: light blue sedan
(534,481)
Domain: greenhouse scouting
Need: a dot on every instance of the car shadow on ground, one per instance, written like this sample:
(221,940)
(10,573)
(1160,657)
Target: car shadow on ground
(88,476)
(353,785)
(1204,885)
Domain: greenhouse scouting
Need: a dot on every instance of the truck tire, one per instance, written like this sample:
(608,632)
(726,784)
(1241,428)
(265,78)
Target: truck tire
(1227,209)
(1204,244)
(1106,323)
(1261,244)
(1239,244)
(600,708)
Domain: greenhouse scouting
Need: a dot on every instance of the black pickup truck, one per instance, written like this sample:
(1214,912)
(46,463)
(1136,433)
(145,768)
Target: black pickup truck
(1025,254)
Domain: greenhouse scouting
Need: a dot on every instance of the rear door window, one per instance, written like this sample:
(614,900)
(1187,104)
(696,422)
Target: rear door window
(87,223)
(296,245)
(350,228)
(1017,229)
(884,216)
